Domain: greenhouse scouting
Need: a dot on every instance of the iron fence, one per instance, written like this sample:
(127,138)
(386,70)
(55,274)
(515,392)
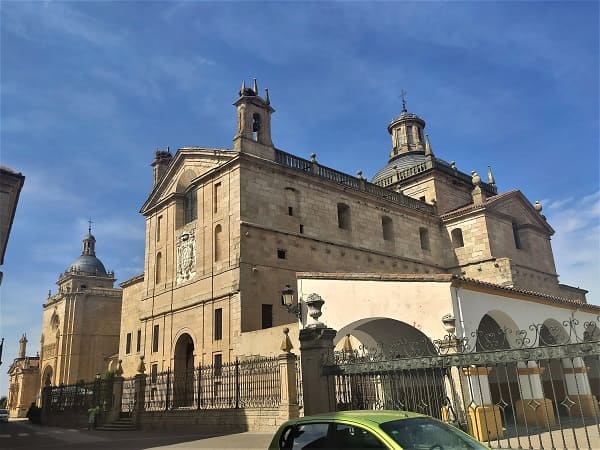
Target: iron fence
(81,396)
(239,384)
(534,388)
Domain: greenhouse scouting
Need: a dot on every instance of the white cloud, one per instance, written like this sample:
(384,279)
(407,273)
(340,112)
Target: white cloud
(576,243)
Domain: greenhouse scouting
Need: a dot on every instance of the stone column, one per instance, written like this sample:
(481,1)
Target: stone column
(288,407)
(139,391)
(316,346)
(533,408)
(485,420)
(579,389)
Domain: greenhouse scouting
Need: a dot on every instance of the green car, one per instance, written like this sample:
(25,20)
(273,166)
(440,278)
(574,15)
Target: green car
(371,429)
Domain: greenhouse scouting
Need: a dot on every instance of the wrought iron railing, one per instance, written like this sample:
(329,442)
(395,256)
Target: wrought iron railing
(79,397)
(239,384)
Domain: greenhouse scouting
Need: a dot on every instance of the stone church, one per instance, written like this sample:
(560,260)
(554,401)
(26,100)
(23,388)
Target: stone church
(81,322)
(228,229)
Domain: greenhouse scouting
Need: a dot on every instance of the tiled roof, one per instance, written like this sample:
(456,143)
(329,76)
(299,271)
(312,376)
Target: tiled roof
(471,207)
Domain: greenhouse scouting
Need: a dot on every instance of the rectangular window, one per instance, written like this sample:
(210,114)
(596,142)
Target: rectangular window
(409,136)
(138,345)
(153,373)
(155,338)
(516,236)
(190,212)
(216,196)
(267,316)
(301,229)
(217,364)
(290,211)
(158,228)
(218,324)
(128,344)
(281,254)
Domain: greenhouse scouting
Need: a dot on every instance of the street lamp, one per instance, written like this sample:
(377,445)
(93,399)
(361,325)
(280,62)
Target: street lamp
(287,301)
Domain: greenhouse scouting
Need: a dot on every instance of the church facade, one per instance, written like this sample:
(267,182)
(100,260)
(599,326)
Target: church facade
(81,322)
(228,229)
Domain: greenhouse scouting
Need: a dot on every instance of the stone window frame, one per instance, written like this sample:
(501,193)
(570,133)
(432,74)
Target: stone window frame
(190,205)
(344,216)
(218,324)
(155,338)
(266,315)
(128,344)
(458,240)
(387,228)
(424,238)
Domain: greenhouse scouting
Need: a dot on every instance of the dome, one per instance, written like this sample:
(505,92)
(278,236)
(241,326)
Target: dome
(88,264)
(399,163)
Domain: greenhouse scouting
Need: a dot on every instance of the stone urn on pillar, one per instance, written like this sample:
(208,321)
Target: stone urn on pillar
(314,303)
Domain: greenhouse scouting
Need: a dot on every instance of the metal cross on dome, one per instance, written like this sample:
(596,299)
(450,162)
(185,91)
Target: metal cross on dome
(403,95)
(90,225)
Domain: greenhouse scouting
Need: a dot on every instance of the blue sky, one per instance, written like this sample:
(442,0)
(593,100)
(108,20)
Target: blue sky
(90,89)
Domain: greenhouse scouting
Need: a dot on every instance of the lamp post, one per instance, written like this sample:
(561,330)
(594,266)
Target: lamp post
(287,301)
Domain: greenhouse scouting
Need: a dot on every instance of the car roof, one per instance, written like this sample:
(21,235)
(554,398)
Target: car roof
(375,416)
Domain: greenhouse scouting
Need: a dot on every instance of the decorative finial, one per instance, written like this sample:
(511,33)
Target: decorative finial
(359,175)
(476,179)
(491,180)
(119,370)
(90,226)
(267,101)
(49,293)
(243,88)
(403,95)
(428,151)
(286,344)
(538,206)
(313,157)
(255,87)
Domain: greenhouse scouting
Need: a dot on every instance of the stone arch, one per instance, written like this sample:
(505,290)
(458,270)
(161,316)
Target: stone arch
(48,376)
(415,389)
(184,181)
(552,333)
(183,370)
(496,331)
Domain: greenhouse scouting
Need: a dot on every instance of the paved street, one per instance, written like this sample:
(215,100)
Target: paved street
(20,434)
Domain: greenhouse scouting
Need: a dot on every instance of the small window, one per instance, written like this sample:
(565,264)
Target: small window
(155,332)
(424,235)
(218,324)
(290,211)
(138,345)
(457,238)
(516,236)
(190,204)
(267,316)
(281,254)
(158,268)
(218,364)
(128,344)
(218,243)
(343,211)
(153,373)
(409,135)
(301,229)
(158,228)
(387,227)
(422,198)
(216,196)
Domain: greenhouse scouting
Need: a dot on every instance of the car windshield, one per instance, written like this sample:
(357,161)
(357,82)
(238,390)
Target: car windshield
(422,433)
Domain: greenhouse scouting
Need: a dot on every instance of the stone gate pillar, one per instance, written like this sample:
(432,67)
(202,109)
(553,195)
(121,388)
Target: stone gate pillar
(316,347)
(579,389)
(485,420)
(288,408)
(533,408)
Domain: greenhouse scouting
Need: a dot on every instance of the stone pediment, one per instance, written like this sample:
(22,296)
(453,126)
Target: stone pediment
(511,205)
(188,164)
(514,204)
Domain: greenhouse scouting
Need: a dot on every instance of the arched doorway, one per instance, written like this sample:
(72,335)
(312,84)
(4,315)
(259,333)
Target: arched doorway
(183,372)
(373,343)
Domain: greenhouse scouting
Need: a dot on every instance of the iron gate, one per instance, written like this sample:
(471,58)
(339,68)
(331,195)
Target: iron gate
(532,396)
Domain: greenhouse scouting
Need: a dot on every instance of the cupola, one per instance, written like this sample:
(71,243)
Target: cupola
(407,132)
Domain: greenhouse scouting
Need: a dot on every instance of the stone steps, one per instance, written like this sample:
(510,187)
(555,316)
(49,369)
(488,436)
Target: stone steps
(123,424)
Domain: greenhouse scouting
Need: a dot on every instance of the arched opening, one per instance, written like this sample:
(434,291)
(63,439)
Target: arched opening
(387,227)
(457,238)
(592,334)
(183,372)
(343,211)
(398,387)
(218,243)
(255,126)
(47,377)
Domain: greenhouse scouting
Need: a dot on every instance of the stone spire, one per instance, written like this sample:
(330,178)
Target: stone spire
(428,150)
(491,180)
(23,346)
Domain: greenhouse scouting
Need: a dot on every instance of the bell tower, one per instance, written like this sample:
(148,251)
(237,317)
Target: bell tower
(253,122)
